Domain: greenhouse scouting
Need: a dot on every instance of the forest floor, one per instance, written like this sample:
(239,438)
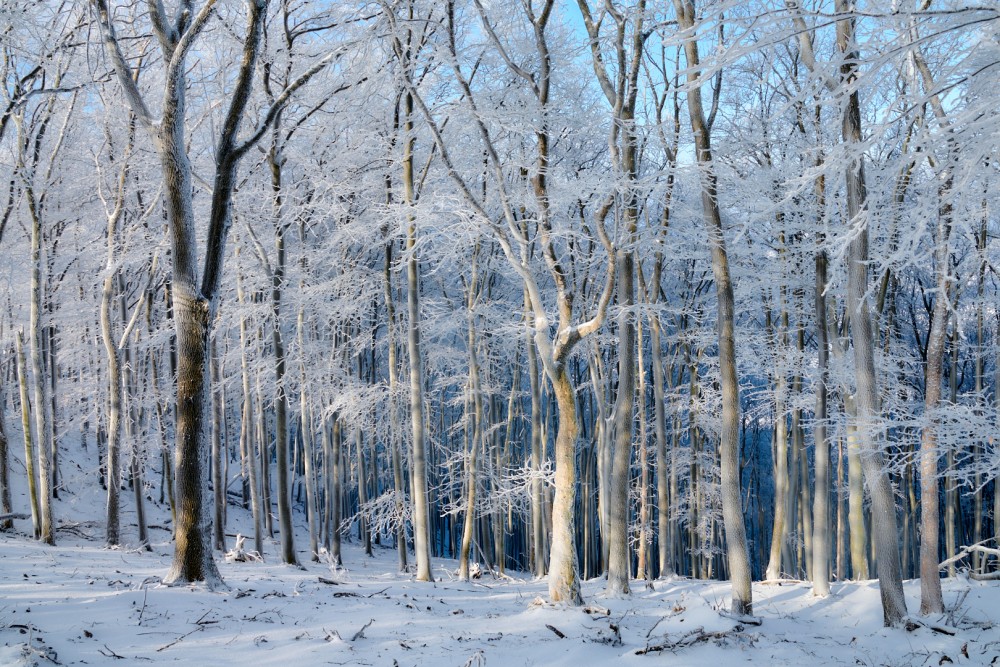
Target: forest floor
(81,603)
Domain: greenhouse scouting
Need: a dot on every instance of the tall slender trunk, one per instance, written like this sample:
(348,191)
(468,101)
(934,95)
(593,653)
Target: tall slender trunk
(248,444)
(821,498)
(619,560)
(779,534)
(337,490)
(421,532)
(884,529)
(738,557)
(29,441)
(39,381)
(217,452)
(113,464)
(643,566)
(667,563)
(308,455)
(395,428)
(476,424)
(538,541)
(5,500)
(931,599)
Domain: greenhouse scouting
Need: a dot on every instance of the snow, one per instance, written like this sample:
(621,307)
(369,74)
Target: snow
(79,603)
(82,603)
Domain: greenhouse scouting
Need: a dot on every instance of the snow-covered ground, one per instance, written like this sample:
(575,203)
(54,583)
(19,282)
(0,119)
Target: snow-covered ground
(80,603)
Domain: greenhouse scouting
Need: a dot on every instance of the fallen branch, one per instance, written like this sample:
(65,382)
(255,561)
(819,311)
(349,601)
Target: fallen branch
(912,624)
(6,517)
(965,551)
(688,639)
(556,630)
(328,582)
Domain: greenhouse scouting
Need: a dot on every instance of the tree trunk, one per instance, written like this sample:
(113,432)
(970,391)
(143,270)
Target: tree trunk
(5,501)
(421,533)
(29,446)
(619,560)
(821,505)
(39,382)
(217,452)
(476,424)
(738,558)
(886,535)
(564,582)
(247,441)
(395,428)
(113,464)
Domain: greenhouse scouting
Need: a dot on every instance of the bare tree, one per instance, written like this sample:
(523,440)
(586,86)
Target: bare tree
(195,291)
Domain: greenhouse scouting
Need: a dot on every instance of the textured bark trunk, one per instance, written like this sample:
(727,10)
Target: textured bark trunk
(192,554)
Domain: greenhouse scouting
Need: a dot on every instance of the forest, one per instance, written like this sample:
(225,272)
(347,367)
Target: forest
(595,296)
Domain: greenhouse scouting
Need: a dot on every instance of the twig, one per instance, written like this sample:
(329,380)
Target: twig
(176,641)
(360,634)
(329,582)
(554,629)
(110,653)
(145,591)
